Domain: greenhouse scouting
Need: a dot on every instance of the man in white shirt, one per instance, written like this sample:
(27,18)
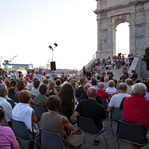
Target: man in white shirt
(3,102)
(12,75)
(49,74)
(29,85)
(116,99)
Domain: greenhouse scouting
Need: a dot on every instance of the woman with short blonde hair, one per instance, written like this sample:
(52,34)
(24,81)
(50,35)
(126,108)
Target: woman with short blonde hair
(111,89)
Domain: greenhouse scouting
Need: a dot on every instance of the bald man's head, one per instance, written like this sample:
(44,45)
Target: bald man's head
(92,93)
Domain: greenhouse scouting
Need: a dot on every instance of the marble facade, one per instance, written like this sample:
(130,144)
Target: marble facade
(110,13)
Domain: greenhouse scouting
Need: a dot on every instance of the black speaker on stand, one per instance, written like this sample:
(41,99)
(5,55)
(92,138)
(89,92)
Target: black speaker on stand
(53,65)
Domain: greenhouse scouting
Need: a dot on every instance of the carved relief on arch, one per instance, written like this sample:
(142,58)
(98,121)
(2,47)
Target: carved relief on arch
(140,17)
(104,35)
(104,23)
(120,19)
(140,30)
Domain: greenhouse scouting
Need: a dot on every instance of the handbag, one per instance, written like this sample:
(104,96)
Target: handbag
(76,138)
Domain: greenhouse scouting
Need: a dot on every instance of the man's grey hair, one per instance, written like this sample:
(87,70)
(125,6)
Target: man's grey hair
(91,92)
(122,86)
(139,89)
(2,89)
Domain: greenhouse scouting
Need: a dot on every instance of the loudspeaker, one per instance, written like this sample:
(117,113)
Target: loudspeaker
(53,65)
(147,63)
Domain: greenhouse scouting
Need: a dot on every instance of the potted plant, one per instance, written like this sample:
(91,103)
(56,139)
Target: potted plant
(146,57)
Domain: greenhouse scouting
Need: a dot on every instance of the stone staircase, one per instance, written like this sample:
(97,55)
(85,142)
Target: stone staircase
(116,72)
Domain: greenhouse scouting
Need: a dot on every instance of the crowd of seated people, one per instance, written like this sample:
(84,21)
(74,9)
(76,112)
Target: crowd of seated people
(65,99)
(116,62)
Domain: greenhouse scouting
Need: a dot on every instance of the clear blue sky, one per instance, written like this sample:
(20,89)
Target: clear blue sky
(28,27)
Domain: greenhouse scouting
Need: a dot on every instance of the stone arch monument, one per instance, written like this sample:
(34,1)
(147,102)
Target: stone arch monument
(110,13)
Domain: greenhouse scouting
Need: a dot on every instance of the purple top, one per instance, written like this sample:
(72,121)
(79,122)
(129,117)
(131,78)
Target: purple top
(7,138)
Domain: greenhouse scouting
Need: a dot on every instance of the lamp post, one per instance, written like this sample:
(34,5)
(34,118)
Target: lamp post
(55,44)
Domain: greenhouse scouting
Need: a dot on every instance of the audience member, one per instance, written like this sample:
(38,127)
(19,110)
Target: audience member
(28,85)
(35,90)
(66,94)
(133,75)
(106,79)
(116,99)
(73,83)
(94,82)
(20,87)
(51,89)
(80,90)
(85,96)
(46,81)
(52,121)
(102,79)
(117,87)
(7,137)
(129,83)
(91,109)
(111,87)
(89,74)
(58,84)
(124,74)
(135,107)
(12,75)
(6,105)
(65,79)
(32,75)
(40,100)
(104,95)
(7,82)
(28,75)
(23,111)
(11,92)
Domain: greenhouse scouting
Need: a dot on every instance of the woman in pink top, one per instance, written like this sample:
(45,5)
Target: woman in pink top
(7,137)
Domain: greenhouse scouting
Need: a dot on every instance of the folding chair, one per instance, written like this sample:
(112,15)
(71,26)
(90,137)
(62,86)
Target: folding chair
(132,133)
(20,131)
(38,112)
(89,126)
(50,140)
(115,115)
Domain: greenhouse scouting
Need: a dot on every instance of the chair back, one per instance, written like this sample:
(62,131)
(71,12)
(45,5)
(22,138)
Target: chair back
(20,130)
(50,140)
(132,133)
(116,114)
(5,123)
(87,125)
(38,112)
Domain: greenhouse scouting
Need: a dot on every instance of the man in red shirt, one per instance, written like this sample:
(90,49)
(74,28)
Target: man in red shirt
(136,107)
(104,95)
(28,75)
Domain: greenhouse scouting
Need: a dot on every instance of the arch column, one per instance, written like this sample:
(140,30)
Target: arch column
(132,34)
(114,41)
